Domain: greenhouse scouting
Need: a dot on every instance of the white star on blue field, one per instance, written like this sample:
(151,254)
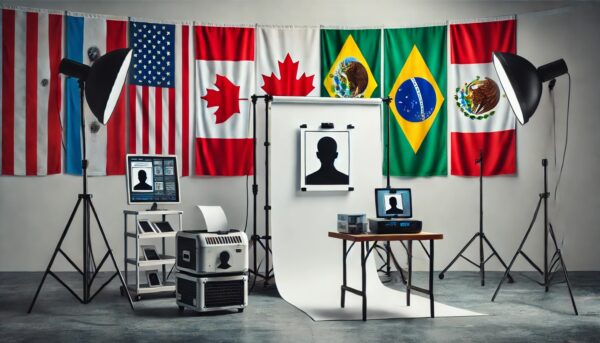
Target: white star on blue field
(153,62)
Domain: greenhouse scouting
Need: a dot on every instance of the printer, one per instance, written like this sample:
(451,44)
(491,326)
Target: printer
(212,266)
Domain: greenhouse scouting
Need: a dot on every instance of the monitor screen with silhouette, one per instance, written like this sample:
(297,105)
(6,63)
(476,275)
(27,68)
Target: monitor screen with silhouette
(152,179)
(393,202)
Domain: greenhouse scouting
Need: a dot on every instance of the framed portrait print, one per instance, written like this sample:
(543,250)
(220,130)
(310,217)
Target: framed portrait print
(325,159)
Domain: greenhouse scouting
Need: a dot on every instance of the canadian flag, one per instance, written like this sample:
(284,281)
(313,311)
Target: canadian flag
(225,79)
(288,60)
(480,117)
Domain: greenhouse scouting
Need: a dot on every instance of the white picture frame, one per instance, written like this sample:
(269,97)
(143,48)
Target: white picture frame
(326,158)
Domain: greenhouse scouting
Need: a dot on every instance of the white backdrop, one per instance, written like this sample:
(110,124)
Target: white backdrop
(307,263)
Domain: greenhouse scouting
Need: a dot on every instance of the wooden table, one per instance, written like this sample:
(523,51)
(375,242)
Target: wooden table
(365,251)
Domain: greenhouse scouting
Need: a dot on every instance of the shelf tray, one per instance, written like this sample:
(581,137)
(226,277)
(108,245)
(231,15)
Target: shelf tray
(164,259)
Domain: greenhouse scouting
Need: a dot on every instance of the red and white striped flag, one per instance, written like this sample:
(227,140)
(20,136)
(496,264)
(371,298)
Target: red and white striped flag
(161,90)
(30,131)
(225,79)
(480,118)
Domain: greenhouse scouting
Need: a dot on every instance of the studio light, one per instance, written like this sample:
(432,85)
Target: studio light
(522,81)
(105,81)
(102,83)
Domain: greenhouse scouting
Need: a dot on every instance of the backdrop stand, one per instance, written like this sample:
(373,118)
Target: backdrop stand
(90,271)
(389,254)
(480,235)
(556,261)
(256,239)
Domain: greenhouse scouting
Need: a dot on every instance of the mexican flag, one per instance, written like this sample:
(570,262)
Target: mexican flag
(224,84)
(481,120)
(415,80)
(350,63)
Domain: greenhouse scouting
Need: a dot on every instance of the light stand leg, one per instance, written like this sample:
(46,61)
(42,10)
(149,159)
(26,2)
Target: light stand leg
(537,209)
(112,257)
(510,279)
(441,276)
(564,268)
(56,250)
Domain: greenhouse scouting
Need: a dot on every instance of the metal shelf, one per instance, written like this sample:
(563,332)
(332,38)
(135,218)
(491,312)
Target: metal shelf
(140,286)
(152,235)
(142,262)
(151,213)
(145,289)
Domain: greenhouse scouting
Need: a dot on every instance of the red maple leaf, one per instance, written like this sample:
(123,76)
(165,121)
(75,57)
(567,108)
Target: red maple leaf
(226,97)
(288,84)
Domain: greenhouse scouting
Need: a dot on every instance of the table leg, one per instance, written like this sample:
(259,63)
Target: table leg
(364,279)
(431,302)
(409,284)
(343,301)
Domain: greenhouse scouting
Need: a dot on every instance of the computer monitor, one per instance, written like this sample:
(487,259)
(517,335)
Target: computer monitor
(152,179)
(393,202)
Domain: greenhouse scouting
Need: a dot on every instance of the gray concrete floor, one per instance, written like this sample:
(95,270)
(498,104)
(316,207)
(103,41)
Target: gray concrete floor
(522,313)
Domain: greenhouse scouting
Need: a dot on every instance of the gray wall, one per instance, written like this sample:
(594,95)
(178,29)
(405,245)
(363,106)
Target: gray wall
(33,211)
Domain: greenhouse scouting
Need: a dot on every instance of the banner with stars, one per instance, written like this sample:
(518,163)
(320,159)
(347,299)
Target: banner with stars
(161,90)
(415,80)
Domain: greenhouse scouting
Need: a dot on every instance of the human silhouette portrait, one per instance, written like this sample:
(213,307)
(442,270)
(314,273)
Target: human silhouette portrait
(327,174)
(142,185)
(394,207)
(224,258)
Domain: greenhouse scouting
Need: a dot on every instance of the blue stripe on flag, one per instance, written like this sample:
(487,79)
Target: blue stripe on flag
(73,114)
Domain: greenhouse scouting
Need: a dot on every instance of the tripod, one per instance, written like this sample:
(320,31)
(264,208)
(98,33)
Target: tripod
(256,238)
(88,278)
(480,235)
(556,261)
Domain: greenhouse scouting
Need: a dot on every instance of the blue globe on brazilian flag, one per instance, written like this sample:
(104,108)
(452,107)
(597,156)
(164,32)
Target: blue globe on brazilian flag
(416,99)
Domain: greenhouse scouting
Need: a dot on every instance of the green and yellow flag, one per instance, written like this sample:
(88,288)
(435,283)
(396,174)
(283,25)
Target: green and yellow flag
(351,63)
(415,80)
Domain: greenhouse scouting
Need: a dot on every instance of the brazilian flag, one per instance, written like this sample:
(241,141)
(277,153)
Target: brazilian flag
(351,63)
(415,80)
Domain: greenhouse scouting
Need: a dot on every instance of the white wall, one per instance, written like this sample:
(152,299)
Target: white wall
(33,211)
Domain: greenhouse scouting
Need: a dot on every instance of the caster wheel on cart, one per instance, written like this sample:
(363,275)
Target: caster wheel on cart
(138,297)
(122,291)
(181,308)
(240,310)
(441,276)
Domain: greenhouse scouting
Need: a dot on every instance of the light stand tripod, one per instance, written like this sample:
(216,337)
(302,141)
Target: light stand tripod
(256,239)
(480,234)
(556,261)
(88,277)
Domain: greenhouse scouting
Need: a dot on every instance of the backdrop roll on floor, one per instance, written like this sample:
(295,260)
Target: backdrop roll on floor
(307,263)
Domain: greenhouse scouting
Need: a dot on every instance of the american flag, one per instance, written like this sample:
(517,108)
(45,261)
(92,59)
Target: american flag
(161,90)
